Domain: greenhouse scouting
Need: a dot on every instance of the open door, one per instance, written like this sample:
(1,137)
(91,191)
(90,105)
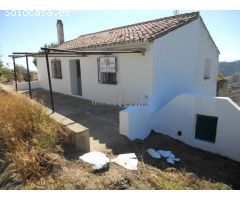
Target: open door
(75,77)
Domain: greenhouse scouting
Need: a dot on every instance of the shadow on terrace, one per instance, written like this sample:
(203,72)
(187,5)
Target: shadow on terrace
(102,120)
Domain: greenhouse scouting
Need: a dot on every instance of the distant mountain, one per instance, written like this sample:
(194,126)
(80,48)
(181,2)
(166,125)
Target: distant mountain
(229,68)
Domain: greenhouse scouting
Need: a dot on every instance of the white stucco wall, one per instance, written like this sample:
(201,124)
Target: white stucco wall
(206,50)
(134,75)
(178,64)
(180,115)
(135,122)
(58,85)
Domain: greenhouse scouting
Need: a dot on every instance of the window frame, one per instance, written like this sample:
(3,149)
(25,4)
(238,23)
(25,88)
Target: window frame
(56,69)
(199,120)
(114,80)
(207,69)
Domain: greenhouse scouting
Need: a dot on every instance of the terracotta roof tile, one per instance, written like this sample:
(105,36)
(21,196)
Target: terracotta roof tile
(145,31)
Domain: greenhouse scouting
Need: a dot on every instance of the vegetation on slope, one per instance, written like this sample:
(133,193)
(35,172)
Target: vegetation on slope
(29,136)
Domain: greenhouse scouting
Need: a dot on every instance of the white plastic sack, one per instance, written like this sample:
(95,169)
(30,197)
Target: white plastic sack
(96,159)
(171,161)
(164,154)
(128,161)
(153,153)
(168,155)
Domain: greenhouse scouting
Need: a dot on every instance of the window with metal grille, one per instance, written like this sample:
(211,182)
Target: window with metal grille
(56,69)
(109,78)
(107,70)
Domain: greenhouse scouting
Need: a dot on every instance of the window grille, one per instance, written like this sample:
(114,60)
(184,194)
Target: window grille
(105,77)
(56,69)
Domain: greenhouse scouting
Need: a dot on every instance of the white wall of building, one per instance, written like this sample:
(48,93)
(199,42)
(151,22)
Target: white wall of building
(58,85)
(134,75)
(24,85)
(206,50)
(172,65)
(135,122)
(180,115)
(178,64)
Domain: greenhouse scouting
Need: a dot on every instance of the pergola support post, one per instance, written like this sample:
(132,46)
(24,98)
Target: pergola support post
(29,79)
(49,80)
(15,74)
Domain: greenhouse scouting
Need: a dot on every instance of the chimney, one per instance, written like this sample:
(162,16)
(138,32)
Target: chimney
(60,32)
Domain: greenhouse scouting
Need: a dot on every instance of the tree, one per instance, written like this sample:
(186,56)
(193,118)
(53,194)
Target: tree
(1,63)
(51,45)
(21,72)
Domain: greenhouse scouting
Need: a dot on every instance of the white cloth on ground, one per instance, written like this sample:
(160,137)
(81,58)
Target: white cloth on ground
(153,153)
(170,157)
(128,161)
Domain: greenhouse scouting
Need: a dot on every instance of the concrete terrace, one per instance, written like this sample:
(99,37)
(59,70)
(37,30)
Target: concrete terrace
(102,120)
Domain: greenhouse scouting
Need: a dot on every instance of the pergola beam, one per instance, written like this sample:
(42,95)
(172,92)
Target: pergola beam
(29,79)
(56,52)
(15,73)
(95,52)
(49,80)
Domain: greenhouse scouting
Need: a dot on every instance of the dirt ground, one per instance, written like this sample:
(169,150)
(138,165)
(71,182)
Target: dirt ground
(204,165)
(196,170)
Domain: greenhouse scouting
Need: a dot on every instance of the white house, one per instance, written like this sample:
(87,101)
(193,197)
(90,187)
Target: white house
(179,63)
(179,52)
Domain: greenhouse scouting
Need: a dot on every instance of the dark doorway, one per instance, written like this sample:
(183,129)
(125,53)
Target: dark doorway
(79,81)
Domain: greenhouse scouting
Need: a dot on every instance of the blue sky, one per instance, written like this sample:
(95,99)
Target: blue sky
(21,33)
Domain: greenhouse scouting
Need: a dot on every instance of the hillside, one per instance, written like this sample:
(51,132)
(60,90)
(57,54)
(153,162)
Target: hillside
(229,68)
(39,155)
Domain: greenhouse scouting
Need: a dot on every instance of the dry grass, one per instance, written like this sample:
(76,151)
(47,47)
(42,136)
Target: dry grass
(176,180)
(29,136)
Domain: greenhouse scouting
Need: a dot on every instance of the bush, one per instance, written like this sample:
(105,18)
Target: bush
(29,136)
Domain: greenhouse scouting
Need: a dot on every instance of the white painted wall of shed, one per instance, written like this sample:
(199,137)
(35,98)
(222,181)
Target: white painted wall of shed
(178,64)
(135,122)
(180,115)
(24,85)
(134,76)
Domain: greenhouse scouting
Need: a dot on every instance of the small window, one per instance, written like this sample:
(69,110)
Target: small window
(56,69)
(109,78)
(107,70)
(207,69)
(206,128)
